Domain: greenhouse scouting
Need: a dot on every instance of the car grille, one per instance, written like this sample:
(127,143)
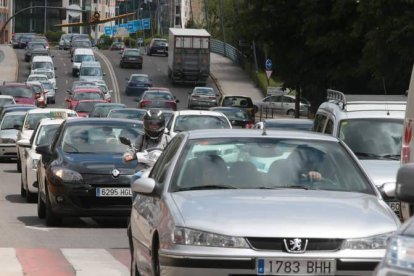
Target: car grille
(277,244)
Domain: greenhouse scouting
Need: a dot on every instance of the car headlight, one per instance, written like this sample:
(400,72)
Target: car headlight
(68,175)
(400,252)
(35,163)
(374,242)
(186,236)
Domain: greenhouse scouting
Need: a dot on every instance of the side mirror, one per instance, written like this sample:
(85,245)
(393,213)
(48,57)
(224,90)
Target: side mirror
(24,143)
(125,141)
(144,186)
(44,150)
(404,189)
(56,88)
(388,190)
(177,100)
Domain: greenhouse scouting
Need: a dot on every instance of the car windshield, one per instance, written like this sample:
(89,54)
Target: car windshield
(271,163)
(205,92)
(37,78)
(373,138)
(33,119)
(234,114)
(9,122)
(46,133)
(80,44)
(80,58)
(41,64)
(127,114)
(193,122)
(85,106)
(139,78)
(103,110)
(36,45)
(132,53)
(17,91)
(238,102)
(91,71)
(88,96)
(98,138)
(158,96)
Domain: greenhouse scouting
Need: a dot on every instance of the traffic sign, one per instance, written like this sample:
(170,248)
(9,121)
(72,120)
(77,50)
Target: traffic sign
(108,30)
(268,64)
(268,73)
(146,24)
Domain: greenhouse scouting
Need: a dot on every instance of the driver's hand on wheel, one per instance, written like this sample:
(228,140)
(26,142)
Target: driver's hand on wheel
(127,157)
(314,176)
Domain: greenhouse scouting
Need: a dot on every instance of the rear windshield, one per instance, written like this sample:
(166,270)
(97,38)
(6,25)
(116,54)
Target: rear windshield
(9,122)
(193,122)
(238,102)
(158,96)
(80,58)
(42,64)
(17,91)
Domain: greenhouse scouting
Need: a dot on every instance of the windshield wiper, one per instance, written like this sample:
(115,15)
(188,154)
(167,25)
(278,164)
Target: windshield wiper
(206,187)
(391,156)
(284,187)
(368,155)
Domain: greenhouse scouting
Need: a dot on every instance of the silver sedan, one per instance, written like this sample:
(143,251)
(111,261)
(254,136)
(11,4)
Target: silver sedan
(251,202)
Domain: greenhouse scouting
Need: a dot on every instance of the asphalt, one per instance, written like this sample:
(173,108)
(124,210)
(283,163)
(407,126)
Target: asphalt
(229,78)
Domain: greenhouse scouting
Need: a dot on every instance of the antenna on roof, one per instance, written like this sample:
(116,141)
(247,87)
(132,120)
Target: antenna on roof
(385,92)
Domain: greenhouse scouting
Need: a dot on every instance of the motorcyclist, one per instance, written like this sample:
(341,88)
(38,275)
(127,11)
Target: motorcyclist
(154,137)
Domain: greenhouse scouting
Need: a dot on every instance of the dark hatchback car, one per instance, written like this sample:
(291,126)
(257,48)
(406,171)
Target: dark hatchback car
(34,47)
(242,102)
(237,116)
(117,46)
(82,173)
(137,84)
(101,110)
(131,58)
(161,99)
(158,46)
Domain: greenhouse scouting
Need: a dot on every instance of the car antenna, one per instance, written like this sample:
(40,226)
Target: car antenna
(386,101)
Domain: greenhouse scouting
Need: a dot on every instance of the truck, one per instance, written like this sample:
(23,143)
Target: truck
(188,56)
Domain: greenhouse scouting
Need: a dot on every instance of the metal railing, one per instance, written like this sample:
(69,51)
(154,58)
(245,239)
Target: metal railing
(224,49)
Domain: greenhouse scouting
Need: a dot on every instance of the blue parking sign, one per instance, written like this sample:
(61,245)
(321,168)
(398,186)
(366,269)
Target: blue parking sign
(108,30)
(268,64)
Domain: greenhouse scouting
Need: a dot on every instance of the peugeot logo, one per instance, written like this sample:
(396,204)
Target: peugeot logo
(115,172)
(295,245)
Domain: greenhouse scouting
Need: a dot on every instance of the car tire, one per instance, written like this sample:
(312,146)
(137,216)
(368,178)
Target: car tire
(22,189)
(30,197)
(51,218)
(155,260)
(290,112)
(41,207)
(19,164)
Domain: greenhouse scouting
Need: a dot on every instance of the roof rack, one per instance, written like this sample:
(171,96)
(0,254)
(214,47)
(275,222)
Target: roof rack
(336,96)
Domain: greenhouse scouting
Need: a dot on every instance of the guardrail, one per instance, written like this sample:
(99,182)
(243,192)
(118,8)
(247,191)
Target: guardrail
(224,49)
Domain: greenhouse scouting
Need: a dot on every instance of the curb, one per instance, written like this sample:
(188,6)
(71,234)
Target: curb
(217,83)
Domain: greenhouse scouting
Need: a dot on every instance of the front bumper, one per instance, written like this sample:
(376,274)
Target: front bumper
(8,151)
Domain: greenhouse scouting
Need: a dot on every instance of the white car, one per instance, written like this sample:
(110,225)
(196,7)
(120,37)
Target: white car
(51,76)
(42,135)
(196,119)
(37,77)
(6,99)
(50,91)
(31,120)
(8,133)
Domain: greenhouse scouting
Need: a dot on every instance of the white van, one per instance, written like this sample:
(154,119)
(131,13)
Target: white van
(80,55)
(44,62)
(91,71)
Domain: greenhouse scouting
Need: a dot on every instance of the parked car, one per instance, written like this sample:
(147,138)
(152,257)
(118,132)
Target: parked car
(283,104)
(137,84)
(240,102)
(238,117)
(131,58)
(67,164)
(186,120)
(158,99)
(210,195)
(127,113)
(101,110)
(286,123)
(9,127)
(202,97)
(42,135)
(158,46)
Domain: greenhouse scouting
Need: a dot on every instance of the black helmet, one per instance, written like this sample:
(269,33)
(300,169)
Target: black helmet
(154,123)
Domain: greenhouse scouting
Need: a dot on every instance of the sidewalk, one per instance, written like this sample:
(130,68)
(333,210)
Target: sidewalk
(231,79)
(8,64)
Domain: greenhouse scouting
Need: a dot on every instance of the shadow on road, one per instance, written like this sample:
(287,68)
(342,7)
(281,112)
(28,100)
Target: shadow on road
(34,221)
(15,199)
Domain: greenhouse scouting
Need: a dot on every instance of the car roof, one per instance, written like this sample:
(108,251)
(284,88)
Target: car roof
(87,89)
(198,112)
(50,121)
(259,133)
(79,51)
(42,58)
(110,104)
(13,84)
(99,121)
(227,108)
(37,75)
(236,96)
(91,63)
(139,75)
(47,110)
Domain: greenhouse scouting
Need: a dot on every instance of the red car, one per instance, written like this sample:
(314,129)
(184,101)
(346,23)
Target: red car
(85,93)
(84,107)
(21,92)
(158,99)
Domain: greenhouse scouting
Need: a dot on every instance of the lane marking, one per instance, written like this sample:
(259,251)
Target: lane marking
(9,263)
(88,262)
(112,75)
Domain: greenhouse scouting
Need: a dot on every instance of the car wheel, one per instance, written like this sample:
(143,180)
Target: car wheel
(22,189)
(51,218)
(290,112)
(19,164)
(41,207)
(155,258)
(30,197)
(53,100)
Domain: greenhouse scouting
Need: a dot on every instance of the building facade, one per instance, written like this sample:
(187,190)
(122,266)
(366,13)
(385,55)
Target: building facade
(6,10)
